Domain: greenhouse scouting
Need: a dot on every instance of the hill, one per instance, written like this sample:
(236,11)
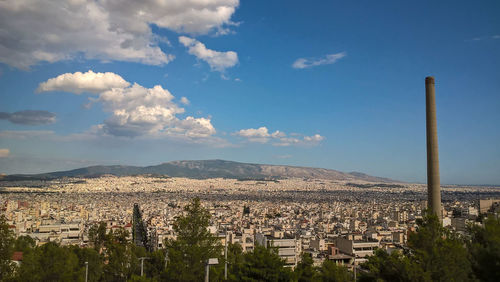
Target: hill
(208,169)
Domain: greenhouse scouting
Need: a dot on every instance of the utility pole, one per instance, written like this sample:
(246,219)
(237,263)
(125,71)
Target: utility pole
(166,258)
(86,271)
(225,257)
(207,272)
(142,264)
(354,267)
(210,261)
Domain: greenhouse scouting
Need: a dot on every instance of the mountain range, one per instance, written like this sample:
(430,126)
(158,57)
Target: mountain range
(204,169)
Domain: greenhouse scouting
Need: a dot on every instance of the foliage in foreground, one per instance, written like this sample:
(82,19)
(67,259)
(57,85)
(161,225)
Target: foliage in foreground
(434,254)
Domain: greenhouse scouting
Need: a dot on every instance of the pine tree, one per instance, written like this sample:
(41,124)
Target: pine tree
(194,245)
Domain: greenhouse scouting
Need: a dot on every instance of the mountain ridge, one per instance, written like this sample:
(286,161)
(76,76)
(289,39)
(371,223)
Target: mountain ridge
(203,169)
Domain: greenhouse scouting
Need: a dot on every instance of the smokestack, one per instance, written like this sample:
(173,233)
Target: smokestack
(433,189)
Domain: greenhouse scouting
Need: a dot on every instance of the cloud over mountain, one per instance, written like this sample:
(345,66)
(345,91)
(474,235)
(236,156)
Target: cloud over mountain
(278,138)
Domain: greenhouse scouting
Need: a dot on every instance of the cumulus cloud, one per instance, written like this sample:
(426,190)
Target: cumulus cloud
(83,82)
(304,140)
(185,101)
(135,110)
(47,30)
(29,117)
(278,138)
(260,135)
(314,138)
(302,63)
(4,153)
(218,61)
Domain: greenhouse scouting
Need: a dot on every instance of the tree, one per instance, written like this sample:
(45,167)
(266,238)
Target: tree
(121,256)
(331,272)
(305,271)
(484,249)
(97,235)
(94,259)
(50,262)
(24,244)
(392,267)
(6,250)
(440,253)
(194,245)
(435,254)
(234,261)
(264,264)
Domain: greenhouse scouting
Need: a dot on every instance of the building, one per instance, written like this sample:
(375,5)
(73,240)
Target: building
(359,249)
(288,249)
(486,204)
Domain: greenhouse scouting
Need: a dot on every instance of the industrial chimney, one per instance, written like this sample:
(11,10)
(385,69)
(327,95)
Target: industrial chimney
(433,189)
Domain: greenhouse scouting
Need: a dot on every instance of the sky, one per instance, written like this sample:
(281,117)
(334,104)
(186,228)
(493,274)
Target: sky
(331,84)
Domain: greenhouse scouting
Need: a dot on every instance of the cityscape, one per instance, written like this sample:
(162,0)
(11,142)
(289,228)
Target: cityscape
(236,140)
(330,220)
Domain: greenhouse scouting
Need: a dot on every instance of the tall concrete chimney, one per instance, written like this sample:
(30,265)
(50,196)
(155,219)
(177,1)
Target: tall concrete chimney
(433,189)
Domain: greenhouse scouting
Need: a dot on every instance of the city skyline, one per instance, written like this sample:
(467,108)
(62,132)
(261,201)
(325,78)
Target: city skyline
(331,85)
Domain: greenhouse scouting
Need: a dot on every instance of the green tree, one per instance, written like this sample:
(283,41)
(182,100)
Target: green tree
(154,267)
(121,257)
(264,264)
(194,245)
(435,254)
(305,270)
(94,259)
(24,244)
(392,267)
(234,261)
(6,250)
(330,272)
(97,235)
(50,262)
(484,249)
(439,252)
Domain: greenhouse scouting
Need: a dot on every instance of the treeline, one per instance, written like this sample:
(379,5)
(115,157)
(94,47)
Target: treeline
(433,254)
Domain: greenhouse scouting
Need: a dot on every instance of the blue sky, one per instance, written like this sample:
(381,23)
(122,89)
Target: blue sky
(333,84)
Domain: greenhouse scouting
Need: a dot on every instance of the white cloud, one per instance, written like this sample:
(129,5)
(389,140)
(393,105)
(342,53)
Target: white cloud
(314,138)
(260,135)
(136,111)
(33,31)
(83,82)
(279,138)
(305,140)
(4,153)
(218,61)
(185,101)
(193,128)
(302,63)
